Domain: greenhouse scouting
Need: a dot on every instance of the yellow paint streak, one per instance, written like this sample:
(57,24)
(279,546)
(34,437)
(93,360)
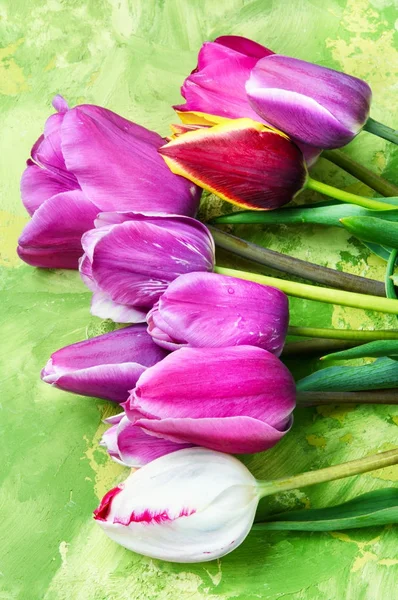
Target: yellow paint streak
(395,419)
(51,65)
(347,438)
(107,472)
(317,441)
(10,230)
(388,562)
(335,412)
(365,556)
(12,79)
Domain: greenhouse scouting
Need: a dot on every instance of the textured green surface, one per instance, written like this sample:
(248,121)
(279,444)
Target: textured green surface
(132,58)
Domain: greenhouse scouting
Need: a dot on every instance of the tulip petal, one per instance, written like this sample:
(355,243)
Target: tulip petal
(211,310)
(215,383)
(205,509)
(137,448)
(116,163)
(220,89)
(127,270)
(232,435)
(242,161)
(243,45)
(104,307)
(110,382)
(52,238)
(293,95)
(129,344)
(38,185)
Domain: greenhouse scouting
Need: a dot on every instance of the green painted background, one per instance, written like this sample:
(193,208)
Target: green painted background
(132,57)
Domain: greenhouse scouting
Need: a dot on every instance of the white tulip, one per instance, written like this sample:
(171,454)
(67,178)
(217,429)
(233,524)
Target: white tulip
(193,505)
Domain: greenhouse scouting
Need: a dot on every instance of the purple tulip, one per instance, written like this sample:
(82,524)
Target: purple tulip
(107,366)
(238,399)
(131,258)
(209,310)
(89,160)
(312,104)
(317,107)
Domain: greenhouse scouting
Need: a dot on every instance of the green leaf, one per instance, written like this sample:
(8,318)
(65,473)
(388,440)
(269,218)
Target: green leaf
(389,283)
(379,507)
(372,349)
(372,229)
(382,252)
(323,213)
(381,374)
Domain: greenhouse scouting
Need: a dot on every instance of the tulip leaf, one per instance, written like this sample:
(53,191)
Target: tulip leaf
(373,229)
(379,507)
(382,252)
(323,213)
(389,283)
(373,349)
(381,374)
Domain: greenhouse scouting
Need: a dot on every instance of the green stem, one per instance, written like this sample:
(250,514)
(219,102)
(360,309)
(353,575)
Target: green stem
(374,181)
(311,292)
(364,397)
(383,131)
(333,192)
(390,288)
(361,335)
(348,469)
(296,266)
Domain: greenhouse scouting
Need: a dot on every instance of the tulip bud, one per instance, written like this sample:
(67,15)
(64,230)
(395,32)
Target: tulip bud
(242,161)
(131,258)
(313,104)
(238,399)
(194,505)
(89,160)
(107,366)
(210,310)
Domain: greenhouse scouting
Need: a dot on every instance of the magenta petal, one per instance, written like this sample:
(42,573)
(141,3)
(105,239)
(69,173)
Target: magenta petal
(110,382)
(243,46)
(137,259)
(211,310)
(234,435)
(137,448)
(38,185)
(219,89)
(129,344)
(313,104)
(52,238)
(117,164)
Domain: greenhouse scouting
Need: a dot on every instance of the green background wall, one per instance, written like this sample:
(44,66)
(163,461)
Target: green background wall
(132,57)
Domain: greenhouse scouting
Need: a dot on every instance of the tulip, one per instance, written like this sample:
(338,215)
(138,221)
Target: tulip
(107,366)
(237,399)
(130,446)
(194,505)
(316,106)
(131,258)
(89,160)
(201,310)
(242,161)
(313,104)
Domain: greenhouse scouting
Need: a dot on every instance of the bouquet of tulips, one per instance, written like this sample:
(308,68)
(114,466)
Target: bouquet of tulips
(196,366)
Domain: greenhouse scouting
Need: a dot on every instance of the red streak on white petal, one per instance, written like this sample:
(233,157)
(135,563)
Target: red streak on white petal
(101,513)
(151,518)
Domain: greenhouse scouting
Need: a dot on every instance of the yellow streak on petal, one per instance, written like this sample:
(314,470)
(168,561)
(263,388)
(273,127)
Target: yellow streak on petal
(200,118)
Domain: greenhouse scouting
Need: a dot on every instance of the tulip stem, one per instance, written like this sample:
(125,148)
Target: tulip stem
(388,396)
(333,192)
(372,180)
(361,335)
(296,266)
(317,346)
(382,131)
(348,469)
(311,292)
